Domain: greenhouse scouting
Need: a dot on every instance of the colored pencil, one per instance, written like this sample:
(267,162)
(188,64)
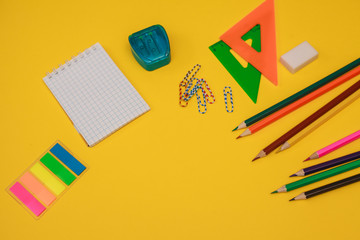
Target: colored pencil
(328,164)
(291,142)
(332,147)
(301,102)
(327,188)
(312,118)
(298,95)
(318,177)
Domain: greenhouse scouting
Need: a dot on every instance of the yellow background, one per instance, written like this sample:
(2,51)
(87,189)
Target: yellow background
(174,173)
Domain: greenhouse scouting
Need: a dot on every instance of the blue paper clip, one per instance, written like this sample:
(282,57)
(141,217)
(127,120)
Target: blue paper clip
(200,104)
(228,91)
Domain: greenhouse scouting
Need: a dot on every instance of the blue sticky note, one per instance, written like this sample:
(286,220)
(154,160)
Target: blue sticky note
(68,159)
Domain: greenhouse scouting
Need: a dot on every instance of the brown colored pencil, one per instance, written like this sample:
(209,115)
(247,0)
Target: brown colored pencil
(338,109)
(312,118)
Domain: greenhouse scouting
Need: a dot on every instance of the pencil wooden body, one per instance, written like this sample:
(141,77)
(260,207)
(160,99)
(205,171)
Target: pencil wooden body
(301,102)
(298,95)
(338,144)
(297,139)
(318,177)
(329,164)
(328,187)
(313,117)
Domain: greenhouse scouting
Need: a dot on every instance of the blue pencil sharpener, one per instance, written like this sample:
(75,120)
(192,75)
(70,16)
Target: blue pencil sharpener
(151,47)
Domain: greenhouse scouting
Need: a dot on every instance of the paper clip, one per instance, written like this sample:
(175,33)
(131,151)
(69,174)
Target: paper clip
(228,91)
(189,93)
(185,82)
(184,95)
(181,102)
(190,86)
(195,69)
(200,104)
(207,96)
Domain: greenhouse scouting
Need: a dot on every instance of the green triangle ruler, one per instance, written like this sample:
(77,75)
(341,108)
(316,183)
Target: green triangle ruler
(248,78)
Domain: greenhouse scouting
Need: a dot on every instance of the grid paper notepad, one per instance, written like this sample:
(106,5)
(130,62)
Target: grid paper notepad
(95,94)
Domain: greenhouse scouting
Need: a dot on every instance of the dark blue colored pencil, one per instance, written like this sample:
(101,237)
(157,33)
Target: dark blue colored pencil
(328,164)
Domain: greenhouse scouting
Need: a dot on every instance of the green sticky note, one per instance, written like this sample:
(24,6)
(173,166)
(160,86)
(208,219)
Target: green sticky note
(57,168)
(248,78)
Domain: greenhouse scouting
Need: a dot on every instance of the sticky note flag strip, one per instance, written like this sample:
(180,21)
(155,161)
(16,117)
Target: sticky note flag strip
(46,180)
(37,188)
(247,77)
(57,168)
(49,180)
(66,158)
(27,199)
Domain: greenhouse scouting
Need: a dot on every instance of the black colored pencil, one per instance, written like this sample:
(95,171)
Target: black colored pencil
(327,188)
(328,164)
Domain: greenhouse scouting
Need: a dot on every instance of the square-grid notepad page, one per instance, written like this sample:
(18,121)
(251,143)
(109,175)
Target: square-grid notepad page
(95,94)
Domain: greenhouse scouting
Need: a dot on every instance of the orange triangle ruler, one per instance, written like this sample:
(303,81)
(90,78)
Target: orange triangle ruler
(265,61)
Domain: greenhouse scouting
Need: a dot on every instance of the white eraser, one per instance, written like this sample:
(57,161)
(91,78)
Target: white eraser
(298,57)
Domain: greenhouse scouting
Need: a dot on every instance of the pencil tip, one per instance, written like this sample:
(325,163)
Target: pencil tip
(242,125)
(292,199)
(283,147)
(235,129)
(274,192)
(260,155)
(307,159)
(294,175)
(247,132)
(238,137)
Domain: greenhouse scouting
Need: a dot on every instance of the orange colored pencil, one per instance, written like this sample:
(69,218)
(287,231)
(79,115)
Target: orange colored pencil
(302,101)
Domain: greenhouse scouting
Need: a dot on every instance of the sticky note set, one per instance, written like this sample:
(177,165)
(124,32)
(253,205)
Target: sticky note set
(46,180)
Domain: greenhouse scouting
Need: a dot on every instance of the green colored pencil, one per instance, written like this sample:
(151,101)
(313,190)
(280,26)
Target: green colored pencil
(298,95)
(318,177)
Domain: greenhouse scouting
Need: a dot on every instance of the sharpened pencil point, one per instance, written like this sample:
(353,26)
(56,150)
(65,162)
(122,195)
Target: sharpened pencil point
(242,125)
(235,129)
(315,155)
(283,147)
(292,199)
(274,192)
(260,155)
(294,175)
(247,132)
(238,137)
(307,159)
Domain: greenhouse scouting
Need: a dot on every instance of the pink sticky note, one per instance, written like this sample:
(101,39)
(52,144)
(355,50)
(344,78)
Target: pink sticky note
(37,188)
(27,199)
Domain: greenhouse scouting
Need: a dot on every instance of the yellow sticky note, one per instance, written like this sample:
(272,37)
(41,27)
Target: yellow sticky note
(47,179)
